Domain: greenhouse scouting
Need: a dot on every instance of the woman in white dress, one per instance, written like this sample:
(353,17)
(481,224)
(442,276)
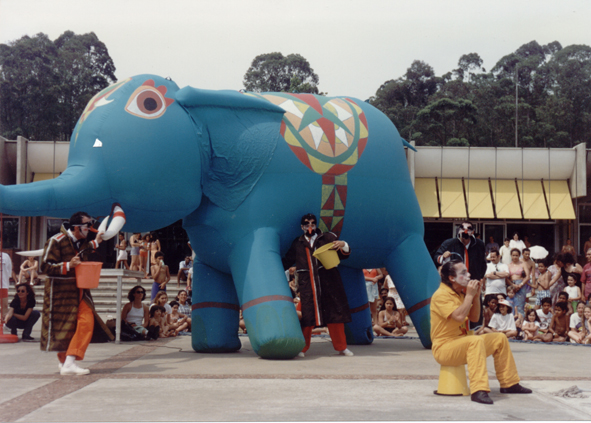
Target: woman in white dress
(516,243)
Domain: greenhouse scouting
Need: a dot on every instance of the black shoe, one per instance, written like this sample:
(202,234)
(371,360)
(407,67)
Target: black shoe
(28,339)
(481,397)
(515,389)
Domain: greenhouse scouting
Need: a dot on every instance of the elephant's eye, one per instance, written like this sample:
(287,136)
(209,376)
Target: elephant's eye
(148,102)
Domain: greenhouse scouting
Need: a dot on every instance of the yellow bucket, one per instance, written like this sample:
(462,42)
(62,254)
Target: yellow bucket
(88,274)
(329,258)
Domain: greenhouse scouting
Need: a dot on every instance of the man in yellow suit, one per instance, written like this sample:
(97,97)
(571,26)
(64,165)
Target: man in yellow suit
(456,301)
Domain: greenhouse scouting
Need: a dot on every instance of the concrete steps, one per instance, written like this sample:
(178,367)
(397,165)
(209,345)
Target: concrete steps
(105,296)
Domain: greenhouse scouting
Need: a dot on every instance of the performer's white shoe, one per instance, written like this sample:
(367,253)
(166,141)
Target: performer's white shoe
(301,355)
(346,352)
(73,370)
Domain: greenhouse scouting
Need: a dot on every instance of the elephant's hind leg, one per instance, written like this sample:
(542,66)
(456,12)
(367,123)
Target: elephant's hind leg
(416,279)
(359,331)
(267,305)
(215,316)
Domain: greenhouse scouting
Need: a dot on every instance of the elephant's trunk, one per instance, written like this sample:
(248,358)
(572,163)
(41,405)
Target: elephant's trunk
(77,189)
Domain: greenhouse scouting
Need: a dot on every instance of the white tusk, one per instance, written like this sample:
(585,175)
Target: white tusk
(32,253)
(116,224)
(103,226)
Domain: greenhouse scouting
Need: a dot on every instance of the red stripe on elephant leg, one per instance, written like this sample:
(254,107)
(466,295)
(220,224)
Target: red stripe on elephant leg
(266,299)
(419,306)
(360,308)
(214,304)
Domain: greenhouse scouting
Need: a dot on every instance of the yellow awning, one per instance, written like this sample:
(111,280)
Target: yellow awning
(506,195)
(478,197)
(506,201)
(452,198)
(559,200)
(427,196)
(532,198)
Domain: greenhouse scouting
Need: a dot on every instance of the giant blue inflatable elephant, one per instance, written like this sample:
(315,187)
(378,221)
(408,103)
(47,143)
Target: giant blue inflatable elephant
(240,169)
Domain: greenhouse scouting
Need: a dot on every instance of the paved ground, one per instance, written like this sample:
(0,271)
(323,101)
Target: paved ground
(392,379)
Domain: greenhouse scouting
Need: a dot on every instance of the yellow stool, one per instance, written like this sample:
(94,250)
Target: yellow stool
(452,381)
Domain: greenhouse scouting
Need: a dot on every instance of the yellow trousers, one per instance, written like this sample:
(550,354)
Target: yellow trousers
(473,350)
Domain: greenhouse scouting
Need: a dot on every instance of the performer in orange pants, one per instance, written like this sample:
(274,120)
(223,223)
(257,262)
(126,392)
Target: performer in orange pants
(68,320)
(83,335)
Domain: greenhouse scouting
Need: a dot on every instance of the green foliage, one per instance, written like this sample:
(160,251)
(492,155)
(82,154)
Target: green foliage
(45,85)
(273,72)
(403,98)
(478,107)
(458,142)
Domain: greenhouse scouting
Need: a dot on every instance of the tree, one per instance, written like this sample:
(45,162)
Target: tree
(447,120)
(468,63)
(29,88)
(273,72)
(401,99)
(85,68)
(469,106)
(45,85)
(571,84)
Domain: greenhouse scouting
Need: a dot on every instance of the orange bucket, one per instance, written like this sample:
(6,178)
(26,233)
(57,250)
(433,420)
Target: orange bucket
(88,274)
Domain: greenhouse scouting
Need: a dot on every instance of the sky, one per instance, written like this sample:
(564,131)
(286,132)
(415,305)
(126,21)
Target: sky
(353,46)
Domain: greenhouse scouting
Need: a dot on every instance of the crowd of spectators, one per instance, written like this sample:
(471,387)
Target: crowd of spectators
(388,313)
(162,319)
(537,300)
(548,300)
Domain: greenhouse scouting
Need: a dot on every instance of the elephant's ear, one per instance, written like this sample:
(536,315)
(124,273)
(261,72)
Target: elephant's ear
(239,137)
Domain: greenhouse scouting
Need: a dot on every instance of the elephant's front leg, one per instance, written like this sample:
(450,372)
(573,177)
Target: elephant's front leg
(267,304)
(215,316)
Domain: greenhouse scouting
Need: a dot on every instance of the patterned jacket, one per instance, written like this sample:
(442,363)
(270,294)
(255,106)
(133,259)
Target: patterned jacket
(62,296)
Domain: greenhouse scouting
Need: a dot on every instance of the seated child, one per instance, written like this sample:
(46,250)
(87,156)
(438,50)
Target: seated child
(587,324)
(542,284)
(390,320)
(545,316)
(29,270)
(531,326)
(503,321)
(563,298)
(559,324)
(516,314)
(177,321)
(577,331)
(573,291)
(490,306)
(158,320)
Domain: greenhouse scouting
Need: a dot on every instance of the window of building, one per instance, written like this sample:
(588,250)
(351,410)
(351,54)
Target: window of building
(10,232)
(53,226)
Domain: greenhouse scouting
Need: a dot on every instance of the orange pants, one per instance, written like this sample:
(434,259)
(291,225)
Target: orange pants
(337,334)
(83,335)
(473,350)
